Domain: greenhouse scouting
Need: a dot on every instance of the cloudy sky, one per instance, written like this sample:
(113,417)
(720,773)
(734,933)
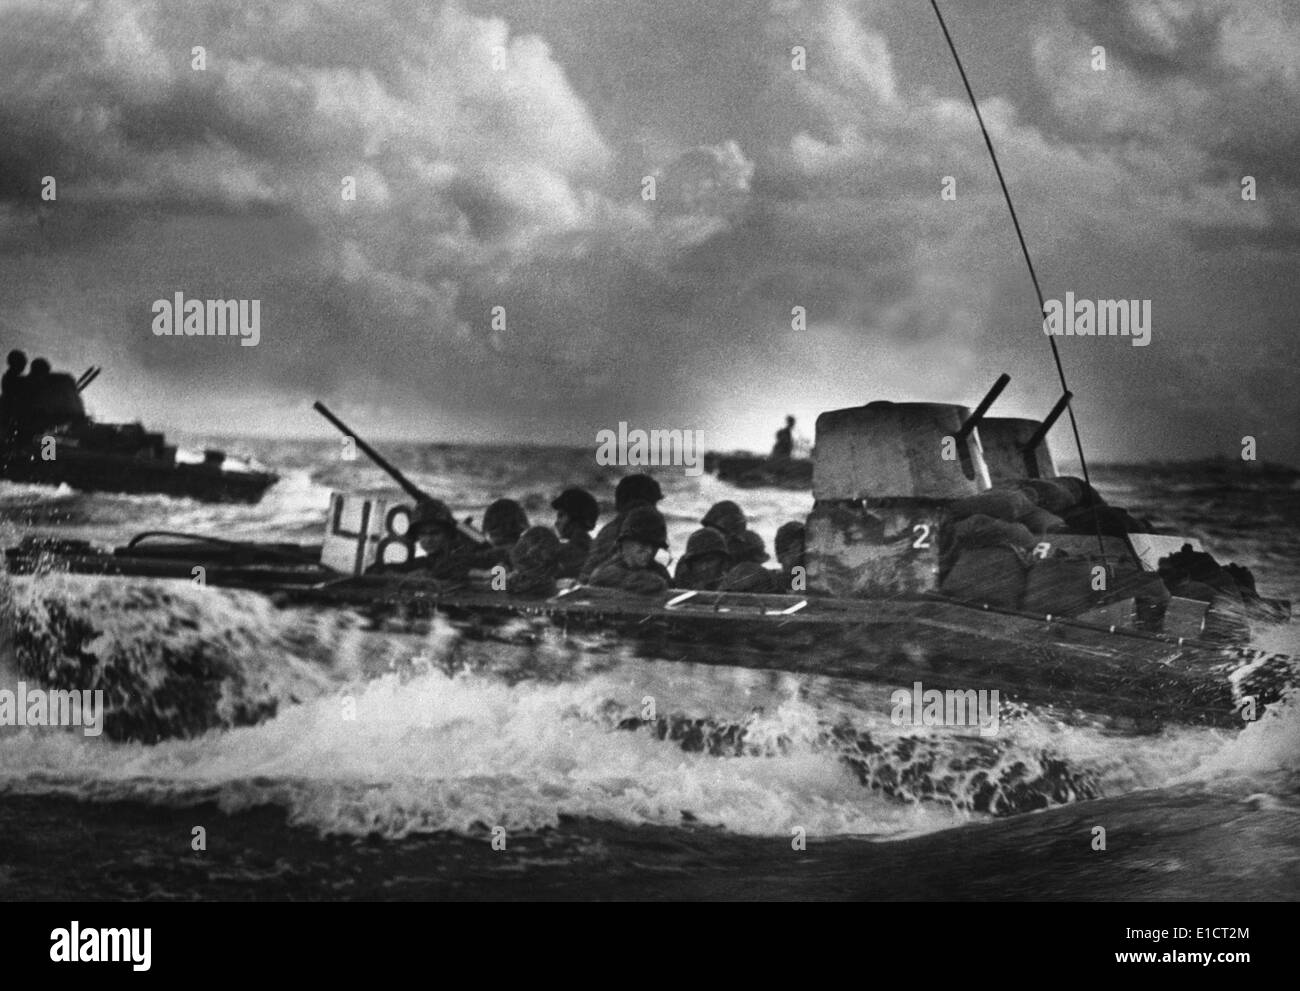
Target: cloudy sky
(499,151)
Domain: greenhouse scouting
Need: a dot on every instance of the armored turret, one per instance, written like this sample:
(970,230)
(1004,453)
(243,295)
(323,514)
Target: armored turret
(1007,453)
(884,474)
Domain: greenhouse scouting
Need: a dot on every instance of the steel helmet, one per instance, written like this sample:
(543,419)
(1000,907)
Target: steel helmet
(704,542)
(505,515)
(537,550)
(727,517)
(580,505)
(636,488)
(790,537)
(645,524)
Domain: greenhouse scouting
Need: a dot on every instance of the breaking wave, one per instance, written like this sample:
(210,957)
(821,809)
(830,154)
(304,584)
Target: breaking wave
(219,695)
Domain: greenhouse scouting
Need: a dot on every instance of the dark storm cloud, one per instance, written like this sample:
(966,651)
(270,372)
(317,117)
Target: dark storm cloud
(521,188)
(1156,39)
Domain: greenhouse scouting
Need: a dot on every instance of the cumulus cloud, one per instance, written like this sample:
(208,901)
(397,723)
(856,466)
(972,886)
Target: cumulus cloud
(499,157)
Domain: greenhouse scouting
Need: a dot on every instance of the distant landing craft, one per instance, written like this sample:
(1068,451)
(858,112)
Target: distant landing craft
(121,457)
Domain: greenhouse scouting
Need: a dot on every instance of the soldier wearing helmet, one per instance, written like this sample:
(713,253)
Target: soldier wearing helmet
(576,512)
(449,552)
(504,522)
(790,542)
(632,492)
(705,561)
(730,520)
(634,568)
(747,573)
(534,560)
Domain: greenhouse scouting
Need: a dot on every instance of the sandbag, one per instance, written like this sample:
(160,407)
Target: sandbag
(985,531)
(1040,522)
(1060,495)
(1047,494)
(1001,504)
(993,576)
(1083,493)
(1109,521)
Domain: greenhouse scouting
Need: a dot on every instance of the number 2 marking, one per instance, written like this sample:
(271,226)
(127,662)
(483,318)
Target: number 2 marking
(922,541)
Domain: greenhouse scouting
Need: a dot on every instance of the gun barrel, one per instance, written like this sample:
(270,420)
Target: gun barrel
(88,376)
(409,487)
(990,397)
(1047,424)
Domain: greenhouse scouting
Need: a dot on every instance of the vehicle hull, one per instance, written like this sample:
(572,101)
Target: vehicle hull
(90,471)
(1137,678)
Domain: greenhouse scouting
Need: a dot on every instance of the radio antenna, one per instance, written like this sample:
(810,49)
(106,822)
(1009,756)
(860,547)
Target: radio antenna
(1033,275)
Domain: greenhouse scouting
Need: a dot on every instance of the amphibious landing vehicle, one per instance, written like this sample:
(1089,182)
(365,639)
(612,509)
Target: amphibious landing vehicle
(904,494)
(752,471)
(70,448)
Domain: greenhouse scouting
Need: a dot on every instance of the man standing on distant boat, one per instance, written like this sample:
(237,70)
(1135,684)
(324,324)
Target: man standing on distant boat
(11,387)
(49,399)
(783,449)
(30,414)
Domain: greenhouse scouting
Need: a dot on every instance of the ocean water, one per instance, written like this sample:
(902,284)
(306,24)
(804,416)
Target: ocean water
(321,755)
